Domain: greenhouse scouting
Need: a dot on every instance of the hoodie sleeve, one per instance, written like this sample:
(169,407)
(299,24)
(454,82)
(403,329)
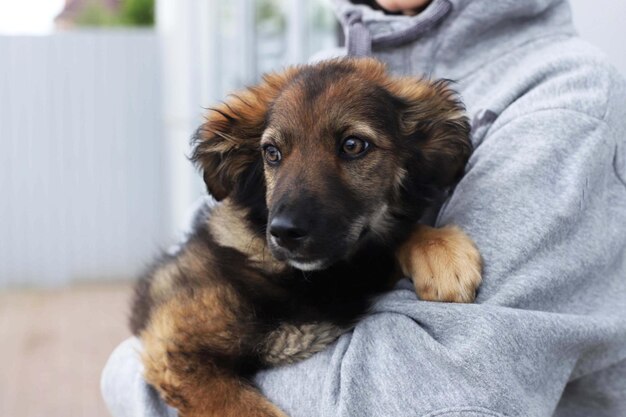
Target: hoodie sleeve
(544,202)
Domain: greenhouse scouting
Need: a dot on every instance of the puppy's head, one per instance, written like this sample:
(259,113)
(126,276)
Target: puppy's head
(328,156)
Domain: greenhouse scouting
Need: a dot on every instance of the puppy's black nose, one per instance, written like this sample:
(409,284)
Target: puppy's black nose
(286,232)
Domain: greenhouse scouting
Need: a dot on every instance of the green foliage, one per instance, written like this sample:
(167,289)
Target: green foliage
(137,12)
(130,13)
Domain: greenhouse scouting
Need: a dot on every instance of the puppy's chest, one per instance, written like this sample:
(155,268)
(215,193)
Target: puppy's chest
(343,292)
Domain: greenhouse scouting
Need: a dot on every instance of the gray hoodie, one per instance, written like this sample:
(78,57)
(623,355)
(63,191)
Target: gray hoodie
(544,197)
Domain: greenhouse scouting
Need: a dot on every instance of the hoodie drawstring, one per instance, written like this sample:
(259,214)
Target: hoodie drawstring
(358,37)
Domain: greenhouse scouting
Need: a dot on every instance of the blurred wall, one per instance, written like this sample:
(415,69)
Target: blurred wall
(601,22)
(80,156)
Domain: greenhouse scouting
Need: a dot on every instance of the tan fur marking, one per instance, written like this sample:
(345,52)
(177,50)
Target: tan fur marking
(362,129)
(192,262)
(163,284)
(270,134)
(398,178)
(290,343)
(444,264)
(229,228)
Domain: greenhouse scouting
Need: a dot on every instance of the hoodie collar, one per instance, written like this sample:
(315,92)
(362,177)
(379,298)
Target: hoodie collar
(457,35)
(367,28)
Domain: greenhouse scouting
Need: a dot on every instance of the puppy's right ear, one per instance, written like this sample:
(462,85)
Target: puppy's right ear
(226,146)
(434,121)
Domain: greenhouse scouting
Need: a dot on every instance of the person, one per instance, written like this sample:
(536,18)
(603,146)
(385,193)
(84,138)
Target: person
(544,198)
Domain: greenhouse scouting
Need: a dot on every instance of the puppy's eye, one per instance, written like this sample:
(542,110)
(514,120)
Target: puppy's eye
(353,147)
(272,154)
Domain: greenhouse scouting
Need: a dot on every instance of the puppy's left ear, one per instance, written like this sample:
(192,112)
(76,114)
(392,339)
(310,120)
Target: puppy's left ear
(433,119)
(226,146)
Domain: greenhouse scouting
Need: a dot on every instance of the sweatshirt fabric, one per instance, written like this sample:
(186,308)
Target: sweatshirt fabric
(543,197)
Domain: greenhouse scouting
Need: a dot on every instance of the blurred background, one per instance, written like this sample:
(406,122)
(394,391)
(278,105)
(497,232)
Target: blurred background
(98,100)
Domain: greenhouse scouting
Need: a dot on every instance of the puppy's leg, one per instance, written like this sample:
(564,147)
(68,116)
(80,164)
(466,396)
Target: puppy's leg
(444,264)
(193,350)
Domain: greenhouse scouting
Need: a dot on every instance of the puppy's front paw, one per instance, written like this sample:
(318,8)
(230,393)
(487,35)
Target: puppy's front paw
(444,264)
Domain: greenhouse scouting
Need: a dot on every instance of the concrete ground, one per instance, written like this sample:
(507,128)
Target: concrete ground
(53,345)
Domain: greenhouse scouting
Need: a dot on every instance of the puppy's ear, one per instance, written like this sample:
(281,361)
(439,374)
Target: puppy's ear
(433,119)
(226,146)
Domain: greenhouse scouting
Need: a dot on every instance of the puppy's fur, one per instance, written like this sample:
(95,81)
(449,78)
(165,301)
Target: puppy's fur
(322,173)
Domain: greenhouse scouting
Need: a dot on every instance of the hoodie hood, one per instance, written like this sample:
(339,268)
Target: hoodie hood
(451,38)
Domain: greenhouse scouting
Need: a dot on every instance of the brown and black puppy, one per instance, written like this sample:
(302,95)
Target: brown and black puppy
(322,173)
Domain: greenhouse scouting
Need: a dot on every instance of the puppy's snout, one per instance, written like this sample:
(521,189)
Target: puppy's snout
(287,232)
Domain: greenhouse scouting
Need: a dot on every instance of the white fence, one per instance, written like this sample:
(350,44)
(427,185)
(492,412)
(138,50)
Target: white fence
(82,190)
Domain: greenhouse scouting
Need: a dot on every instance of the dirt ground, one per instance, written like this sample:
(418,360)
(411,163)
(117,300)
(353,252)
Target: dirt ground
(53,345)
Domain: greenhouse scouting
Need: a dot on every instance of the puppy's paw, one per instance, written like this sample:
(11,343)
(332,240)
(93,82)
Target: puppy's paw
(444,264)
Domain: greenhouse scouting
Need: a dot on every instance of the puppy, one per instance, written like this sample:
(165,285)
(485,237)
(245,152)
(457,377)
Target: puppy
(322,173)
